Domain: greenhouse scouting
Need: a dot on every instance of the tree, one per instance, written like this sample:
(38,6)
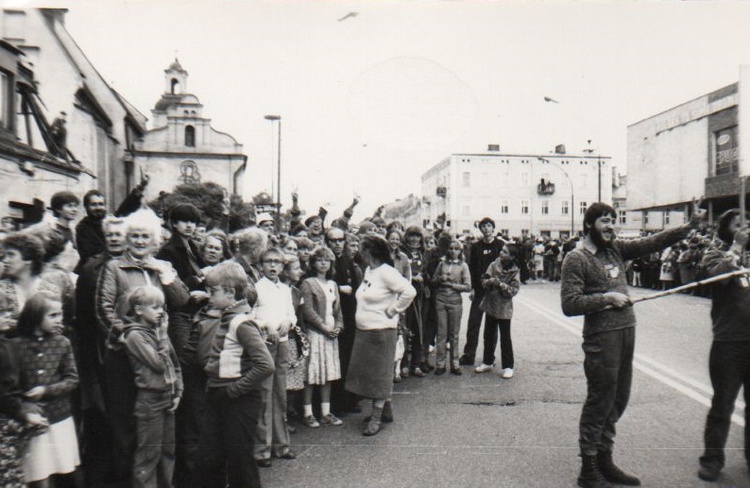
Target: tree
(212,200)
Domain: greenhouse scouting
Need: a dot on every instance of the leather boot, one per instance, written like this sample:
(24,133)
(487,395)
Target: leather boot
(373,426)
(387,412)
(612,473)
(590,476)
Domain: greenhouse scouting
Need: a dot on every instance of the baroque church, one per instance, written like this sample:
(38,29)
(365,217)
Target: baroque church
(182,147)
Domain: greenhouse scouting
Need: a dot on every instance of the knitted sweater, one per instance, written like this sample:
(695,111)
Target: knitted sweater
(730,307)
(383,295)
(589,272)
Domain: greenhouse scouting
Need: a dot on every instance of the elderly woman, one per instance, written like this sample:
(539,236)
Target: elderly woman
(136,267)
(215,247)
(382,296)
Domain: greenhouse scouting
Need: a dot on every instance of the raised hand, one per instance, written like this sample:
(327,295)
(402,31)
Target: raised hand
(699,214)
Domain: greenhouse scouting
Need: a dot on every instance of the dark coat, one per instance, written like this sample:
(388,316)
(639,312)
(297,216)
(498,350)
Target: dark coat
(176,253)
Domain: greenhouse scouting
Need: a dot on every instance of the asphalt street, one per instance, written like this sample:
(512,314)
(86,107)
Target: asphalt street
(479,430)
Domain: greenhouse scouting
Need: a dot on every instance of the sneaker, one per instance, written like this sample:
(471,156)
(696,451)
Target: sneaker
(507,373)
(483,368)
(404,372)
(311,422)
(330,419)
(417,371)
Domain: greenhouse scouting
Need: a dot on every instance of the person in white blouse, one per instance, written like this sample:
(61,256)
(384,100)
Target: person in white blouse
(382,296)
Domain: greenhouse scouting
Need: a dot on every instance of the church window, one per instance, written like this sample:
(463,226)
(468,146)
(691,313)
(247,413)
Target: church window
(175,84)
(190,136)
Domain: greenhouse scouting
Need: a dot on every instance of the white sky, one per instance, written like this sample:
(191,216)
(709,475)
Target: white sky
(371,102)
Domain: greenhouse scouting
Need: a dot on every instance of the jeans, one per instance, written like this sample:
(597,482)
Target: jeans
(272,433)
(609,374)
(228,441)
(729,367)
(472,330)
(153,466)
(448,308)
(491,326)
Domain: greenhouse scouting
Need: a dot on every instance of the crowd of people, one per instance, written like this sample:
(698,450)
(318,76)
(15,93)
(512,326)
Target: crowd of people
(175,355)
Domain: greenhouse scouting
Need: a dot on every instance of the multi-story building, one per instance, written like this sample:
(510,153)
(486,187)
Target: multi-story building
(32,167)
(101,125)
(689,151)
(526,194)
(182,147)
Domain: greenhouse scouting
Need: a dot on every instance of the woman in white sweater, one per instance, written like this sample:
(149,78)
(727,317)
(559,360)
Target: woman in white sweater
(381,297)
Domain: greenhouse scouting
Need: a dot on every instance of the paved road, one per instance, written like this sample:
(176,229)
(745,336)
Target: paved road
(480,430)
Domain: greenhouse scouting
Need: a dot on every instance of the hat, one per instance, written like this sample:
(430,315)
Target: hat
(263,217)
(487,220)
(185,212)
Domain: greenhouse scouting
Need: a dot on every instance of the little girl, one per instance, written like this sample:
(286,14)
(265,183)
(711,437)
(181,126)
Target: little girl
(501,282)
(451,278)
(322,312)
(47,376)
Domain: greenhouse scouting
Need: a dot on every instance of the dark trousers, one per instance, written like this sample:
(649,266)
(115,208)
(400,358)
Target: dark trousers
(414,320)
(227,443)
(491,326)
(429,326)
(119,396)
(609,374)
(472,330)
(729,367)
(190,415)
(153,466)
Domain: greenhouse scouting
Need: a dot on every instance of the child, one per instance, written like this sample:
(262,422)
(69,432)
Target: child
(48,376)
(274,313)
(322,312)
(236,363)
(451,278)
(501,282)
(159,382)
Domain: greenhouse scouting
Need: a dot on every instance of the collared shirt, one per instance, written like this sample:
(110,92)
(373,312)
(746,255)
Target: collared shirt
(274,305)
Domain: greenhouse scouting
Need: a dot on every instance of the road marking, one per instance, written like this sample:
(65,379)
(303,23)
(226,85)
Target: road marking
(666,375)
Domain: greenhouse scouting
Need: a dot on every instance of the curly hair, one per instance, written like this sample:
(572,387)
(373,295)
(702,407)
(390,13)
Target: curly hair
(31,248)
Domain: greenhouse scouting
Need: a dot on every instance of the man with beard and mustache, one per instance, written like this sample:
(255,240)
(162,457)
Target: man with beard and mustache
(594,284)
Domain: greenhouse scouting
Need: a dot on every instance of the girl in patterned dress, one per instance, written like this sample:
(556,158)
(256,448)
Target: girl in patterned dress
(322,312)
(48,375)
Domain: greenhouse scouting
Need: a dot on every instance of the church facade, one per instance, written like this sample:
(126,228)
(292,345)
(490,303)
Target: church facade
(182,147)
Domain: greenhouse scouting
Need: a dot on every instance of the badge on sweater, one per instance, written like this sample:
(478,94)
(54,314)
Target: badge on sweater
(612,270)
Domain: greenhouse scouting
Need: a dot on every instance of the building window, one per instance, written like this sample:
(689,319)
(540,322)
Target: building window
(506,179)
(524,232)
(622,217)
(666,217)
(524,179)
(6,100)
(524,207)
(504,207)
(466,179)
(645,218)
(545,207)
(564,207)
(190,136)
(174,86)
(582,208)
(465,210)
(726,152)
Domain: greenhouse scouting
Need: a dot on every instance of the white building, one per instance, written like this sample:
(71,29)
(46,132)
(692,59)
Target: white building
(182,147)
(539,194)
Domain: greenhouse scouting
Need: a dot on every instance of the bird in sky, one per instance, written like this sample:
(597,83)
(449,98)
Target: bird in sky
(349,15)
(548,99)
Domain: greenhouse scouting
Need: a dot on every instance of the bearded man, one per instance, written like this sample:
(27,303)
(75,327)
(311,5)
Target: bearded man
(594,284)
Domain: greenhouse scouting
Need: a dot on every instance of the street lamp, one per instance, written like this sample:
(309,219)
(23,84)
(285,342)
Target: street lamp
(572,197)
(277,118)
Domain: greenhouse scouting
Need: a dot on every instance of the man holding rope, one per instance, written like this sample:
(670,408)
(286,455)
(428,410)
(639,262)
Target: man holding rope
(729,360)
(594,284)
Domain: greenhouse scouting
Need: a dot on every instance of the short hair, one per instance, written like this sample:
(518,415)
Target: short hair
(146,219)
(395,224)
(723,223)
(32,314)
(228,274)
(350,237)
(92,193)
(142,295)
(270,251)
(596,210)
(377,247)
(111,220)
(30,246)
(289,260)
(305,242)
(297,229)
(334,229)
(185,212)
(221,237)
(311,219)
(366,227)
(487,220)
(62,198)
(251,240)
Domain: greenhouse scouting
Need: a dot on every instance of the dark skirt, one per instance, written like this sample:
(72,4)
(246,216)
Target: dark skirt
(370,373)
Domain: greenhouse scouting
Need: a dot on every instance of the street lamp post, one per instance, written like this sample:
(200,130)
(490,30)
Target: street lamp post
(572,197)
(277,118)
